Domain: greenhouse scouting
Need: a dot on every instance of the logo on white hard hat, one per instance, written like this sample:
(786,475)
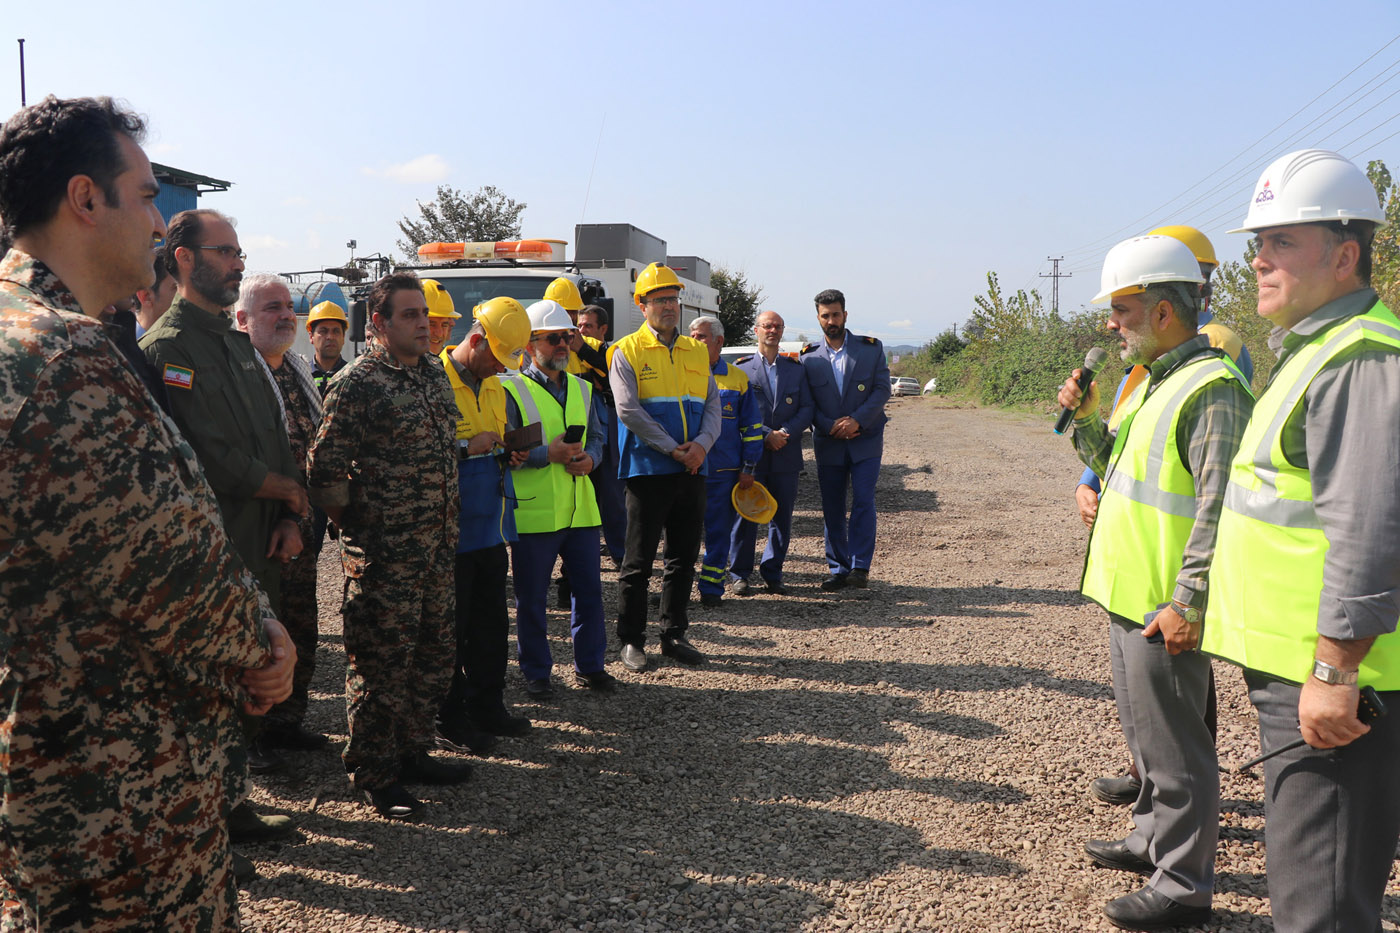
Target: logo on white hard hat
(1265,194)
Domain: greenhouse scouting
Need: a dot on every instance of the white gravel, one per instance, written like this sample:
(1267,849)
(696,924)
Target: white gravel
(911,757)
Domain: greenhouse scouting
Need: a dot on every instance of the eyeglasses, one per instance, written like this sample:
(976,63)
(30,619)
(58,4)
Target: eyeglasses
(768,327)
(671,302)
(226,252)
(554,338)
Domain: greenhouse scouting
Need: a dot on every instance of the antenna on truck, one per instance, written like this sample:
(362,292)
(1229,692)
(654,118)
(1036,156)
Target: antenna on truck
(589,190)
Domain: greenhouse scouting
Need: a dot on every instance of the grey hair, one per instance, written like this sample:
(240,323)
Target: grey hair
(716,325)
(1184,297)
(252,284)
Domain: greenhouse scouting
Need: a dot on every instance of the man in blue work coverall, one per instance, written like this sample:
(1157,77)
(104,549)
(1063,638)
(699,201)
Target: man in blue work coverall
(850,382)
(736,451)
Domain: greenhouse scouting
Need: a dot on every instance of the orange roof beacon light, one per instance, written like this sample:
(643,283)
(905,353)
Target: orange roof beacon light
(436,254)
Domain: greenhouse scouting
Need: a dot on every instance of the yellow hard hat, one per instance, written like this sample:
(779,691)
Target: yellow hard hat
(564,291)
(326,311)
(655,276)
(1195,240)
(756,504)
(439,302)
(507,328)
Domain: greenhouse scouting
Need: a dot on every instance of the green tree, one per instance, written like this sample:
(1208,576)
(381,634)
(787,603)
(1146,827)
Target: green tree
(1385,250)
(998,317)
(945,346)
(483,215)
(738,304)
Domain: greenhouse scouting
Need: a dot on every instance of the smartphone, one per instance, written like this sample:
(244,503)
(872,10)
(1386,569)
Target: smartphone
(573,434)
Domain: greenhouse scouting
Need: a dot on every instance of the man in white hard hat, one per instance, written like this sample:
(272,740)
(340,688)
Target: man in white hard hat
(1149,552)
(556,514)
(1305,591)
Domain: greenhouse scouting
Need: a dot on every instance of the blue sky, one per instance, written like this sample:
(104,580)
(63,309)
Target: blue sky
(898,152)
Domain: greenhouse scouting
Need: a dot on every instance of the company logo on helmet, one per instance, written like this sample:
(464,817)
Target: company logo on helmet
(1265,194)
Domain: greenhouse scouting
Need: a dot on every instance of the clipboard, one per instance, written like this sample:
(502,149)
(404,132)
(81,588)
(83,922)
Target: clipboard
(523,438)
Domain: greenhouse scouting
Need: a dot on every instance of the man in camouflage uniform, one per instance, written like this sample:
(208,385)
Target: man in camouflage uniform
(131,631)
(267,314)
(384,467)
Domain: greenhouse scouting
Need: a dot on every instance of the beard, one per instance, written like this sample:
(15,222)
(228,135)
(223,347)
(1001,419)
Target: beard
(834,330)
(206,282)
(1141,347)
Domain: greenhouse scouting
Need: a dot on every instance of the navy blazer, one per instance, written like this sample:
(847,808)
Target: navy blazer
(865,392)
(791,410)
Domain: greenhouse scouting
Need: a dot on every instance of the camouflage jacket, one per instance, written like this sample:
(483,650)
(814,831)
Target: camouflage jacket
(386,453)
(127,617)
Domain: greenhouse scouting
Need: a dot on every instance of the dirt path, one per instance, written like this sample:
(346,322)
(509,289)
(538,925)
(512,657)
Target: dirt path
(914,756)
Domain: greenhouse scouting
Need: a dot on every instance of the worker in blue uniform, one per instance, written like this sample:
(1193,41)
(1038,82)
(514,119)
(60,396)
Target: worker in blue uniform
(778,385)
(732,459)
(850,383)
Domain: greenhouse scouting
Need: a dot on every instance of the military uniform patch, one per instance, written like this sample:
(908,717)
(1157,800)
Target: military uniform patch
(178,376)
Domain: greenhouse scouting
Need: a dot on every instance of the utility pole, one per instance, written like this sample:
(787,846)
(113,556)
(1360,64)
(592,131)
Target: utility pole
(1055,276)
(22,102)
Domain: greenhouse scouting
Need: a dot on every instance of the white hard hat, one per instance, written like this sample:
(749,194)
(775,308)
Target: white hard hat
(1147,260)
(1310,186)
(548,314)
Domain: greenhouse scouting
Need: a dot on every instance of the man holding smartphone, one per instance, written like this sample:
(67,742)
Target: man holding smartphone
(556,513)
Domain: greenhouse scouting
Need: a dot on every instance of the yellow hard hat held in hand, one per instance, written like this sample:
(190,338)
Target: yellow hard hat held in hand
(755,504)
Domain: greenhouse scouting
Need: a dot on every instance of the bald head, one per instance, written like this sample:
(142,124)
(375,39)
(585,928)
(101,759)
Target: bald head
(768,329)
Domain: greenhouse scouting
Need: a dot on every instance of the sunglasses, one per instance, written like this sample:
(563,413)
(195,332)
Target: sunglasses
(554,338)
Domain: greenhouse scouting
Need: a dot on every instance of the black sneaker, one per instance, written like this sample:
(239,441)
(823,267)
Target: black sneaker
(396,803)
(499,722)
(601,681)
(681,649)
(458,734)
(422,768)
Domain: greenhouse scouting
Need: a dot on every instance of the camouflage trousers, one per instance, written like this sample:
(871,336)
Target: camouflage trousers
(191,889)
(299,614)
(399,648)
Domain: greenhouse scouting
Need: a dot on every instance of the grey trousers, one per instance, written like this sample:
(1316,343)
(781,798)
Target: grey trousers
(1331,817)
(1161,706)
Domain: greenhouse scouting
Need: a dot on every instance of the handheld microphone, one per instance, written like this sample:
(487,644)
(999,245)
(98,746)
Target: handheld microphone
(1093,360)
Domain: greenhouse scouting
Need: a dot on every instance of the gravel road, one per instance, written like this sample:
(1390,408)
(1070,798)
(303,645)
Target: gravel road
(910,757)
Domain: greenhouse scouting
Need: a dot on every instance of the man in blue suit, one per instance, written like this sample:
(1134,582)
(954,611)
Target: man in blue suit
(850,383)
(779,385)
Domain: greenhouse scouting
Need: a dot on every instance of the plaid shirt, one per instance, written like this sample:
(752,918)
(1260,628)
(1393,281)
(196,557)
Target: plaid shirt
(1208,432)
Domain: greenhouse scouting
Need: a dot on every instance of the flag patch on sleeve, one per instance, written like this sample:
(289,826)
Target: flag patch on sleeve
(178,376)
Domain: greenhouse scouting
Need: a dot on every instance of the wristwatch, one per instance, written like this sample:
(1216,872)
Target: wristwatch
(1191,614)
(1332,675)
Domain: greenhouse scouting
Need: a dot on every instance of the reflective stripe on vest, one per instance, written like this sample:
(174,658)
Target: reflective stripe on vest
(548,498)
(1266,577)
(1149,504)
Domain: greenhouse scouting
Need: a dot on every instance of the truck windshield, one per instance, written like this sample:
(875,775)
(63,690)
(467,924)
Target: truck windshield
(467,293)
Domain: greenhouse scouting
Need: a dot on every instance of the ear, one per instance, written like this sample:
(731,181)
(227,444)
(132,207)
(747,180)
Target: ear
(82,197)
(1163,315)
(1345,259)
(378,321)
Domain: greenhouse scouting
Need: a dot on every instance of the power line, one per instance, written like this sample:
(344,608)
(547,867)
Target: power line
(1055,277)
(1158,211)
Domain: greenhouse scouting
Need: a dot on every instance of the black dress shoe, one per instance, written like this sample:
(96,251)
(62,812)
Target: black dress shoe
(741,588)
(293,736)
(776,588)
(837,581)
(858,578)
(263,758)
(459,734)
(540,689)
(601,681)
(396,803)
(1121,791)
(500,722)
(1151,910)
(1116,854)
(681,649)
(422,768)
